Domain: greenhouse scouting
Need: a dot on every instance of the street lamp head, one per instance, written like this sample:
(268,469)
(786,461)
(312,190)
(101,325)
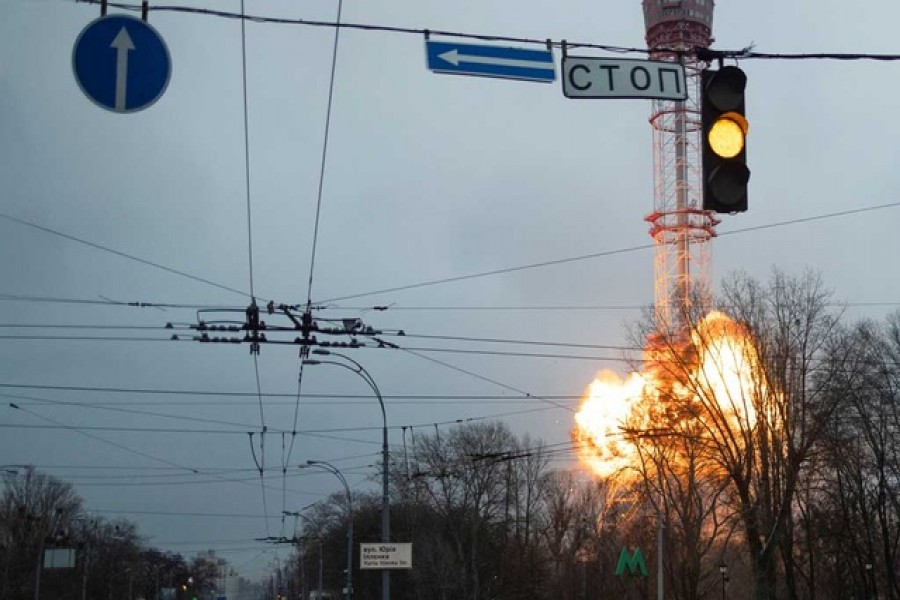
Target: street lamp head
(723,568)
(321,352)
(311,361)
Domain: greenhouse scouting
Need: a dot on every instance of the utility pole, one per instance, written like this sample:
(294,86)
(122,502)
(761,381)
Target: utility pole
(660,574)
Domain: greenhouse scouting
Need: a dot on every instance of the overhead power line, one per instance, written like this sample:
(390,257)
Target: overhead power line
(252,394)
(368,27)
(181,430)
(162,513)
(704,54)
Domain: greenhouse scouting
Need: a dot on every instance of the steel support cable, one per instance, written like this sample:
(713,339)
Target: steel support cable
(119,253)
(740,54)
(261,464)
(103,440)
(108,302)
(445,280)
(560,261)
(312,262)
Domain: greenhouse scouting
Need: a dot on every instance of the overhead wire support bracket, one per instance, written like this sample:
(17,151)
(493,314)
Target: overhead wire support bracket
(258,332)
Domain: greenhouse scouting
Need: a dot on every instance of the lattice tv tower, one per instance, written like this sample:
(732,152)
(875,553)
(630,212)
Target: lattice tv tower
(681,230)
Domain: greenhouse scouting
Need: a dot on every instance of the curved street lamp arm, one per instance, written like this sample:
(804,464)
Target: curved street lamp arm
(364,375)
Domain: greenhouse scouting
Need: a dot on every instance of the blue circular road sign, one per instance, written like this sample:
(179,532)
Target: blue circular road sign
(121,63)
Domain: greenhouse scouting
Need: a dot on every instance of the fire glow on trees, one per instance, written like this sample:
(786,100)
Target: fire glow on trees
(714,377)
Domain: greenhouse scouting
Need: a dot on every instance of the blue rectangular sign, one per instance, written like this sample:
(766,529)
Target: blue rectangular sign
(491,61)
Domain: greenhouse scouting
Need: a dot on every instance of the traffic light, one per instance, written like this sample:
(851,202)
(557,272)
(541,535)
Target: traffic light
(725,172)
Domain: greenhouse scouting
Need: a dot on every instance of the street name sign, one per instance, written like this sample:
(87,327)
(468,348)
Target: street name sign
(121,63)
(491,61)
(622,78)
(59,558)
(385,556)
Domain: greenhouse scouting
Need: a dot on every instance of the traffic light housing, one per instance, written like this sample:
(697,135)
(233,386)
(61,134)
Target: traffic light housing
(724,126)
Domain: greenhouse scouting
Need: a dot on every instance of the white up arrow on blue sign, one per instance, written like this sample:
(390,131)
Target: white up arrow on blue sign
(491,61)
(121,63)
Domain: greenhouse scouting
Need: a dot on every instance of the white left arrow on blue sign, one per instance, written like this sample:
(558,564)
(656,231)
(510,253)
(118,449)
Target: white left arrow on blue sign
(491,61)
(455,58)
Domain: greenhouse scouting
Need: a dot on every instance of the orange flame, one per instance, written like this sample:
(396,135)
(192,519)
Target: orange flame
(724,376)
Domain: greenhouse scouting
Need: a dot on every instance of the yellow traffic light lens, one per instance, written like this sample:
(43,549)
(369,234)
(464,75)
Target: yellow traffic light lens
(726,138)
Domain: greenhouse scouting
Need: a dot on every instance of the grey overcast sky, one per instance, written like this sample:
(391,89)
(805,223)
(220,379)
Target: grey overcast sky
(428,177)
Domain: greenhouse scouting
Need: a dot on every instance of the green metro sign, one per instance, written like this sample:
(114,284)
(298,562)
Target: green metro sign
(633,562)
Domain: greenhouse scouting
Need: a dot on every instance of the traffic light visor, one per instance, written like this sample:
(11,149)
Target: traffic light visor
(725,89)
(727,135)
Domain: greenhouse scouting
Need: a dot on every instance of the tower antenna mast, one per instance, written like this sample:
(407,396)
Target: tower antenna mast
(681,230)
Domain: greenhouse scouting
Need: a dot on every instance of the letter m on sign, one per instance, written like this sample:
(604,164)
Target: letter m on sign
(633,562)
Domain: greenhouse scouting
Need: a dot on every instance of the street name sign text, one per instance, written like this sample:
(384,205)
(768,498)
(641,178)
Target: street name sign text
(385,556)
(622,78)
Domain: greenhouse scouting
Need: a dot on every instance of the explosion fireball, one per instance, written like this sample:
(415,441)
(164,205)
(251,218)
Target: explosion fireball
(717,370)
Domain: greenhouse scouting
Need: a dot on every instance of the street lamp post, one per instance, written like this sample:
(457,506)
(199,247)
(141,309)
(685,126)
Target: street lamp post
(304,587)
(868,587)
(385,456)
(337,473)
(723,569)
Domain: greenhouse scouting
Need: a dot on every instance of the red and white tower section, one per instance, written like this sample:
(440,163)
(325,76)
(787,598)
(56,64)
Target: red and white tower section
(681,230)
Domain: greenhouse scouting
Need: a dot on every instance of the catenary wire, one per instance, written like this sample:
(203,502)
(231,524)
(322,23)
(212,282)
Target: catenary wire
(485,379)
(624,307)
(82,430)
(274,342)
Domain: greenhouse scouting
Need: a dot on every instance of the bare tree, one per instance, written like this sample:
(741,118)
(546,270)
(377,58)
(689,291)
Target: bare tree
(34,506)
(762,386)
